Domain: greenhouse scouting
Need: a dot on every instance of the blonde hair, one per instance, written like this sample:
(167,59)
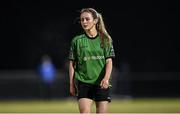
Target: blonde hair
(100,26)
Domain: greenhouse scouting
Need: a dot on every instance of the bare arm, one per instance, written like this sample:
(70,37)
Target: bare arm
(71,77)
(108,68)
(105,82)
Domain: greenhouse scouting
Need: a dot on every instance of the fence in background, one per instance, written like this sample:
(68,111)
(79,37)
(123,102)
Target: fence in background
(26,84)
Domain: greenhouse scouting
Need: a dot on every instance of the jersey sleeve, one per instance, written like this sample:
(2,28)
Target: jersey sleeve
(72,51)
(109,50)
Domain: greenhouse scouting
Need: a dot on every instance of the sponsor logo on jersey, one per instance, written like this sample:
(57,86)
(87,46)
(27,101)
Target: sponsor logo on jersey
(93,58)
(83,46)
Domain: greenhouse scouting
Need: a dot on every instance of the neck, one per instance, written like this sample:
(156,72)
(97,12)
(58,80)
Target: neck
(91,32)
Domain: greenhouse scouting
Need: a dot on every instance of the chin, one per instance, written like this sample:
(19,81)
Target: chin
(86,29)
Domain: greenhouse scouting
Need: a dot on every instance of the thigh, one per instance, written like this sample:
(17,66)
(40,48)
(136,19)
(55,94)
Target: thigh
(102,106)
(85,105)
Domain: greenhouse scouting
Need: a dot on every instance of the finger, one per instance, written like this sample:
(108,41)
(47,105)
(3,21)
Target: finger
(72,93)
(105,86)
(101,84)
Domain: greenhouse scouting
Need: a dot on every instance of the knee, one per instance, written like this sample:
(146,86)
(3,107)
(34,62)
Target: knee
(85,111)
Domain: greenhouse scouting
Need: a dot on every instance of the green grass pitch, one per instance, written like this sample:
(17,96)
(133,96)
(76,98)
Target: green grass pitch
(70,106)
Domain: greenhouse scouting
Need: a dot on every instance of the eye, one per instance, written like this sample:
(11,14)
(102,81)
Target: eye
(87,19)
(84,19)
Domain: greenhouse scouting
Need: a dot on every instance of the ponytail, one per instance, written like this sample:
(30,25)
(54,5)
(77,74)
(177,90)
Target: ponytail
(102,30)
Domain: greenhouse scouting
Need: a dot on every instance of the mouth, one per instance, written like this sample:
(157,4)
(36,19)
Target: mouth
(85,26)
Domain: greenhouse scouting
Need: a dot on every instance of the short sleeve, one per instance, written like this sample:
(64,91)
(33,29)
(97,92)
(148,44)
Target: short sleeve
(109,50)
(72,51)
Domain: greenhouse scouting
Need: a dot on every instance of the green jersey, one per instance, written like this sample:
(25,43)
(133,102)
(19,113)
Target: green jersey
(90,58)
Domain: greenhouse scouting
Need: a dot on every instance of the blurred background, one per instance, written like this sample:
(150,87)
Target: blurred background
(34,33)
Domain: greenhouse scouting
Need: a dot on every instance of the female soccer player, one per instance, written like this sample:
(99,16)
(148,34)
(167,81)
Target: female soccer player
(90,63)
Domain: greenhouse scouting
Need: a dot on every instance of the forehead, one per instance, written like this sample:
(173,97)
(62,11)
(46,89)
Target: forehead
(86,14)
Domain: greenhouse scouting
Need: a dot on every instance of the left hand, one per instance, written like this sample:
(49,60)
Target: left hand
(104,84)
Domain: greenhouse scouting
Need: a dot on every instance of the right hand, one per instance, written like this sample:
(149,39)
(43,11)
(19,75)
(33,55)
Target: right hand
(72,90)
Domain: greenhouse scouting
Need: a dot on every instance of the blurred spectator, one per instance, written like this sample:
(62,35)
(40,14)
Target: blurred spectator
(47,72)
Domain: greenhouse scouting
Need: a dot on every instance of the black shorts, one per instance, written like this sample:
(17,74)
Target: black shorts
(93,92)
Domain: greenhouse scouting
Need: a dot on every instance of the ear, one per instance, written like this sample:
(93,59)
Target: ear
(95,21)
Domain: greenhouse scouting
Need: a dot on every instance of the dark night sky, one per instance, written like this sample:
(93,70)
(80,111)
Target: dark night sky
(144,32)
